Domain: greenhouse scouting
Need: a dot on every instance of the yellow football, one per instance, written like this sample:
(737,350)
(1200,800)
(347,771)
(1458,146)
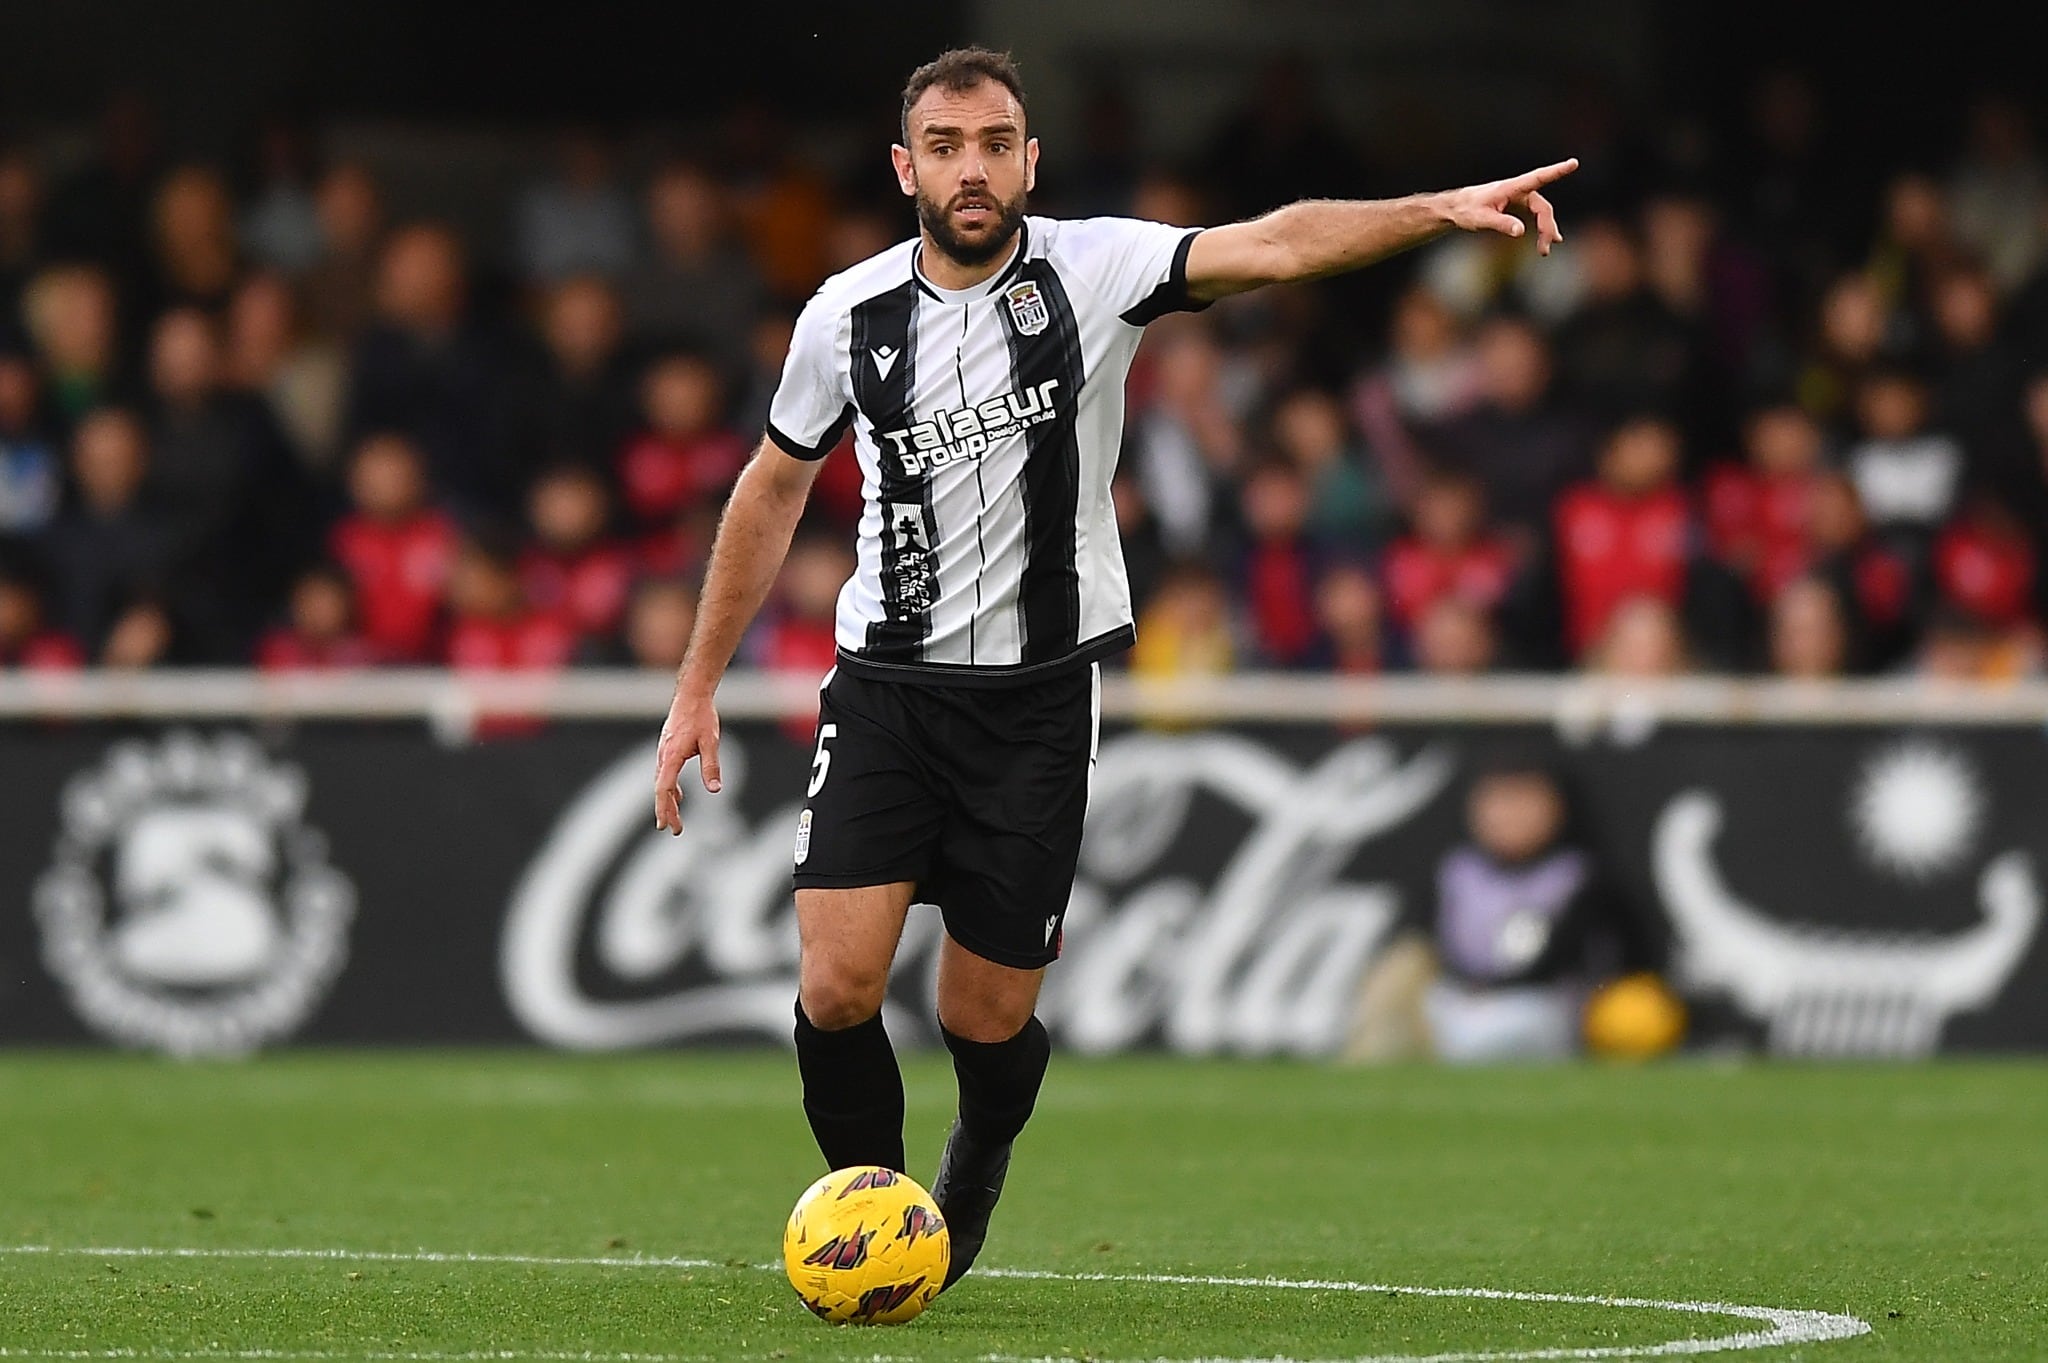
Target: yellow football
(866,1246)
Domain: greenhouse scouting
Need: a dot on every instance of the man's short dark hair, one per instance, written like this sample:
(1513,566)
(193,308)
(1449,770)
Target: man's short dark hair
(957,72)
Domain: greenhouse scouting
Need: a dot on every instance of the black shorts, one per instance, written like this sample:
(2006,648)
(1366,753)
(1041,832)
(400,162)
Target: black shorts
(974,794)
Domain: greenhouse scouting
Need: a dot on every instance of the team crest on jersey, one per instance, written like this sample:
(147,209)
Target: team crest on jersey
(1027,307)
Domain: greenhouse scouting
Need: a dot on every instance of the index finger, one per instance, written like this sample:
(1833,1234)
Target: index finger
(1549,174)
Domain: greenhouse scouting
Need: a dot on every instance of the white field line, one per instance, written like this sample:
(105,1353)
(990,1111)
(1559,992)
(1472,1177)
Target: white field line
(1787,1325)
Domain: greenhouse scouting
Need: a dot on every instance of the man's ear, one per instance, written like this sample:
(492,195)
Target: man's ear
(1030,164)
(906,174)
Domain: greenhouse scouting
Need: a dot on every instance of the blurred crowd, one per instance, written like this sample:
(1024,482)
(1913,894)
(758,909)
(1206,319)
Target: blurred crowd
(1745,419)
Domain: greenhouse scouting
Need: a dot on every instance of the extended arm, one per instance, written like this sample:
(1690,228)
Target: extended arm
(1317,238)
(753,538)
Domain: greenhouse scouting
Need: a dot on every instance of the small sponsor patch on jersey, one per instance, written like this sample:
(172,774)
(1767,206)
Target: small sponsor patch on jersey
(1027,307)
(803,836)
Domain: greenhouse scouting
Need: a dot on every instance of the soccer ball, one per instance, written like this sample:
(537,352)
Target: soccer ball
(866,1246)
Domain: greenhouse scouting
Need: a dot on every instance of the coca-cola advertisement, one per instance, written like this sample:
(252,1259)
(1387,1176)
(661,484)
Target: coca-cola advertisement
(216,888)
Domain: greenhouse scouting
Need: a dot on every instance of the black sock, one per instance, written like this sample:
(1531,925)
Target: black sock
(853,1092)
(999,1081)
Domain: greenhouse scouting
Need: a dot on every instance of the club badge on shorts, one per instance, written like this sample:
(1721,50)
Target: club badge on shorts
(1027,307)
(803,837)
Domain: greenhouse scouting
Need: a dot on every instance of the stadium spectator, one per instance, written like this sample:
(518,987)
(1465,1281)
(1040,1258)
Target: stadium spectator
(1855,334)
(423,371)
(796,633)
(1455,637)
(683,458)
(659,619)
(280,222)
(1809,636)
(227,488)
(142,636)
(71,313)
(1644,640)
(1956,646)
(1625,534)
(1757,513)
(299,378)
(1998,194)
(783,202)
(321,634)
(1525,921)
(1185,630)
(195,251)
(1450,550)
(1350,619)
(580,220)
(1878,589)
(31,475)
(1280,143)
(1622,350)
(1277,565)
(107,548)
(491,625)
(1907,475)
(578,406)
(693,286)
(396,548)
(1976,382)
(1430,376)
(1348,509)
(571,568)
(1189,441)
(1984,562)
(341,283)
(1515,439)
(1145,556)
(25,642)
(21,230)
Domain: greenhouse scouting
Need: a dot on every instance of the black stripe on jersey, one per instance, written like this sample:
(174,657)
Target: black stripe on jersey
(886,323)
(1172,293)
(817,450)
(1049,592)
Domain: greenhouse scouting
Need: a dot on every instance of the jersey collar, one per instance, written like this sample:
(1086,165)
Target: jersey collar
(986,286)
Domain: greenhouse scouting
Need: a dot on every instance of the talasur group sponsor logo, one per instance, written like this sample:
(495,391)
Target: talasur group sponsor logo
(189,908)
(968,432)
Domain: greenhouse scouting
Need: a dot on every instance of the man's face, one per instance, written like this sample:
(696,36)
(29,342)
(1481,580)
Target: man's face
(970,168)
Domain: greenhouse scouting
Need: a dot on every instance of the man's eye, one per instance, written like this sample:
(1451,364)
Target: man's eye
(942,150)
(999,148)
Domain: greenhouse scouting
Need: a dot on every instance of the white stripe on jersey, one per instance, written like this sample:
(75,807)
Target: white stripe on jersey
(987,422)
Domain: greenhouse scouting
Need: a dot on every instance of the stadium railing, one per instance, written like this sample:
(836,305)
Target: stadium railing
(451,701)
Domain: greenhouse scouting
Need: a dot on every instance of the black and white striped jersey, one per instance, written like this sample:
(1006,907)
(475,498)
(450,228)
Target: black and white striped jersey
(987,422)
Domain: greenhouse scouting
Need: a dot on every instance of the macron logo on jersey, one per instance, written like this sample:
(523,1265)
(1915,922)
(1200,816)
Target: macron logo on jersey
(967,432)
(885,358)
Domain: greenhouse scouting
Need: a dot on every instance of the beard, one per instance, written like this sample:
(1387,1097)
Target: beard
(936,219)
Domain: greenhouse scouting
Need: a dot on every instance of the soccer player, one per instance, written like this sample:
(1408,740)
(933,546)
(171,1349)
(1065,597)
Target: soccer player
(981,367)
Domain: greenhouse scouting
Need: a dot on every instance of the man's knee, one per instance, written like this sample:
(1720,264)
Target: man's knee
(836,996)
(985,1019)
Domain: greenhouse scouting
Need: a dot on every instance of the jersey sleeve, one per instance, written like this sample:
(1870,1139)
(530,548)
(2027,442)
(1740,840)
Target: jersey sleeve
(1139,268)
(811,408)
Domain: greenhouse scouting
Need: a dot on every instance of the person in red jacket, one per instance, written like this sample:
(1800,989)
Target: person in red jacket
(1626,533)
(396,549)
(321,634)
(1757,512)
(24,642)
(491,625)
(571,568)
(683,457)
(1451,550)
(1984,562)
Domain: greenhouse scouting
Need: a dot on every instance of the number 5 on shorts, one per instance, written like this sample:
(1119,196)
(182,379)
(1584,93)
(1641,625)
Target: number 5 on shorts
(822,762)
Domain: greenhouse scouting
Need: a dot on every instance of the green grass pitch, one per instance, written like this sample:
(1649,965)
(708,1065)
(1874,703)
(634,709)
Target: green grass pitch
(1913,1198)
